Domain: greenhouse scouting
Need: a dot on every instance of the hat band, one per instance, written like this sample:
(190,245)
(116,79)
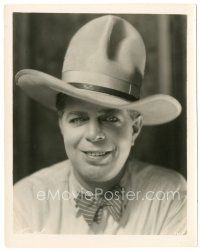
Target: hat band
(105,90)
(103,83)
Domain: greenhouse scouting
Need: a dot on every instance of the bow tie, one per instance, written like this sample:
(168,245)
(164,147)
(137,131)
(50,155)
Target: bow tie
(91,207)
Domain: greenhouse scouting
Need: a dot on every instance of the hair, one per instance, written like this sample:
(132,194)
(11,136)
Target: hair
(61,103)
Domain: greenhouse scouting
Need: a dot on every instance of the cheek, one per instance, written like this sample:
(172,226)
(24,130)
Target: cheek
(121,136)
(71,139)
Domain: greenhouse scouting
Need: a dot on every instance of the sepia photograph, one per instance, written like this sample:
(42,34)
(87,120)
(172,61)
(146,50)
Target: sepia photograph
(100,123)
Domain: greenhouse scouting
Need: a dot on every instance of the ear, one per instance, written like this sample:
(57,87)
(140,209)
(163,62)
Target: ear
(137,126)
(60,124)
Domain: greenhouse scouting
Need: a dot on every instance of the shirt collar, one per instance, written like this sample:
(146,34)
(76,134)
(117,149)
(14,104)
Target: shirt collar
(75,187)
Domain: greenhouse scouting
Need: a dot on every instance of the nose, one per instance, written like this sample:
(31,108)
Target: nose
(94,131)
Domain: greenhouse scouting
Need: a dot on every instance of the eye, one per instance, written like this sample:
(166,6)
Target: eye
(110,118)
(78,120)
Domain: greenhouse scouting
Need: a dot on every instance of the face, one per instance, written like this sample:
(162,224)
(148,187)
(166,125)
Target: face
(97,140)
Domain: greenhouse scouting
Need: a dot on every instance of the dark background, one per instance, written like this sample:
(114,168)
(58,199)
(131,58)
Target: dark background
(40,41)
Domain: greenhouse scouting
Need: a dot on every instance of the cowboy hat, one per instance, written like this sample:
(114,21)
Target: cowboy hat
(104,64)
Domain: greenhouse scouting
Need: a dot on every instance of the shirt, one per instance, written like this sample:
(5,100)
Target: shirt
(154,202)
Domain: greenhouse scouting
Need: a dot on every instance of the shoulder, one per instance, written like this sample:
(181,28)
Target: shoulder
(156,177)
(45,178)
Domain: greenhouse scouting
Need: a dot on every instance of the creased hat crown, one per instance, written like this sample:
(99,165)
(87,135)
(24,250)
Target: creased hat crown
(107,52)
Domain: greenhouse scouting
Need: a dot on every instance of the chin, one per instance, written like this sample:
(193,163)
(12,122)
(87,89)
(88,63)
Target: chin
(100,176)
(95,173)
(98,173)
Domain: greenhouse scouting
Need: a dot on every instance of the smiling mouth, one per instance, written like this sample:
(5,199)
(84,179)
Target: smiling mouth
(97,153)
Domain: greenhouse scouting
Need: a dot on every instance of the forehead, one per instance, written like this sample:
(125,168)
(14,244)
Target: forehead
(73,104)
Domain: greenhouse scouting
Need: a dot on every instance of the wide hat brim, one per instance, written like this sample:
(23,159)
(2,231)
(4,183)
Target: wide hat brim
(42,87)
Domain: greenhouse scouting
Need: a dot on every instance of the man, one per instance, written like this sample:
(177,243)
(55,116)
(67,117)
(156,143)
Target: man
(99,189)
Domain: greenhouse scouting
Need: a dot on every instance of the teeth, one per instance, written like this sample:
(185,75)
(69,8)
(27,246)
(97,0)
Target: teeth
(96,153)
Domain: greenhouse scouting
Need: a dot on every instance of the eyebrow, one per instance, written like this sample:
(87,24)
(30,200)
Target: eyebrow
(84,113)
(108,111)
(79,113)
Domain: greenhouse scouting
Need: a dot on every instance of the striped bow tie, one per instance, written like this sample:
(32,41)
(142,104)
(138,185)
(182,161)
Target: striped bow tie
(91,207)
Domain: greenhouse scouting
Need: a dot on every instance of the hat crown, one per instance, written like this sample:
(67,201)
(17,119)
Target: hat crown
(106,50)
